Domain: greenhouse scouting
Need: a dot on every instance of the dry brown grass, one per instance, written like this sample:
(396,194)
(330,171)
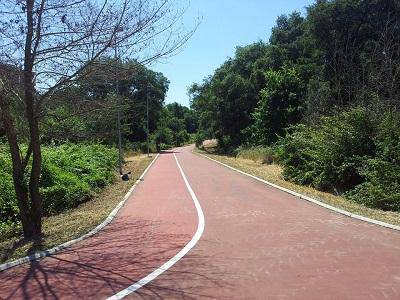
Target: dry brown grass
(73,223)
(273,173)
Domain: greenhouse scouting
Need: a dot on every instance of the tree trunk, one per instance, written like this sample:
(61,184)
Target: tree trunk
(36,202)
(18,169)
(31,114)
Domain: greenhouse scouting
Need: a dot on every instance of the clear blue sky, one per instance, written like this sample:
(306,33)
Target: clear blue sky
(225,24)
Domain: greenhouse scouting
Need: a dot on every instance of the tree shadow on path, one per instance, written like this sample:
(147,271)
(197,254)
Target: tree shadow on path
(105,264)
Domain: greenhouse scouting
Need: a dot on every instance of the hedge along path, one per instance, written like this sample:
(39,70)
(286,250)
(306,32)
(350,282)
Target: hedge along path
(42,254)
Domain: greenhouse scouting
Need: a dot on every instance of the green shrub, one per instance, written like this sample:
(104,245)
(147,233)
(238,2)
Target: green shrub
(8,204)
(93,163)
(181,138)
(226,145)
(141,147)
(328,155)
(280,105)
(381,186)
(62,189)
(163,135)
(355,152)
(70,174)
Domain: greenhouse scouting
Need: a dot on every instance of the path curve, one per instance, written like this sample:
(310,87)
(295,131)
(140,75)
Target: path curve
(153,275)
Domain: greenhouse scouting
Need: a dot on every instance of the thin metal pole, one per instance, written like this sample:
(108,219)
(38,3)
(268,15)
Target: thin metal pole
(147,113)
(118,109)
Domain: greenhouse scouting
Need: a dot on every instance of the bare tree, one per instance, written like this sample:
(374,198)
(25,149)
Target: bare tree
(47,44)
(383,67)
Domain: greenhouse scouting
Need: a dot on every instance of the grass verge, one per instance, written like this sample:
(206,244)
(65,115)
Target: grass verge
(273,173)
(75,222)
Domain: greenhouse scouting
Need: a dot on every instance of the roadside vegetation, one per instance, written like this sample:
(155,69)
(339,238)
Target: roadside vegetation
(317,105)
(176,127)
(320,99)
(71,174)
(88,110)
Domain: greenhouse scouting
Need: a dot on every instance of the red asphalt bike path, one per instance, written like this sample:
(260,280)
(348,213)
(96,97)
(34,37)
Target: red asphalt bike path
(258,243)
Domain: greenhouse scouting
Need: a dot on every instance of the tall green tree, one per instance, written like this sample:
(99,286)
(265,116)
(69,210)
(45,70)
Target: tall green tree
(280,106)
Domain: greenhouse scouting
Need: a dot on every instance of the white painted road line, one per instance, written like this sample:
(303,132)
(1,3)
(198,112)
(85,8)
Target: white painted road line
(309,199)
(200,228)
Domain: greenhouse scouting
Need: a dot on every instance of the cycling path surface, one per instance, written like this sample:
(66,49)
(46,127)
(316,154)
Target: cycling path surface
(258,243)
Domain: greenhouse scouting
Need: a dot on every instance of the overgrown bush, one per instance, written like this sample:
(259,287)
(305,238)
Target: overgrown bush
(355,152)
(163,138)
(381,188)
(61,189)
(181,138)
(70,174)
(381,174)
(226,145)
